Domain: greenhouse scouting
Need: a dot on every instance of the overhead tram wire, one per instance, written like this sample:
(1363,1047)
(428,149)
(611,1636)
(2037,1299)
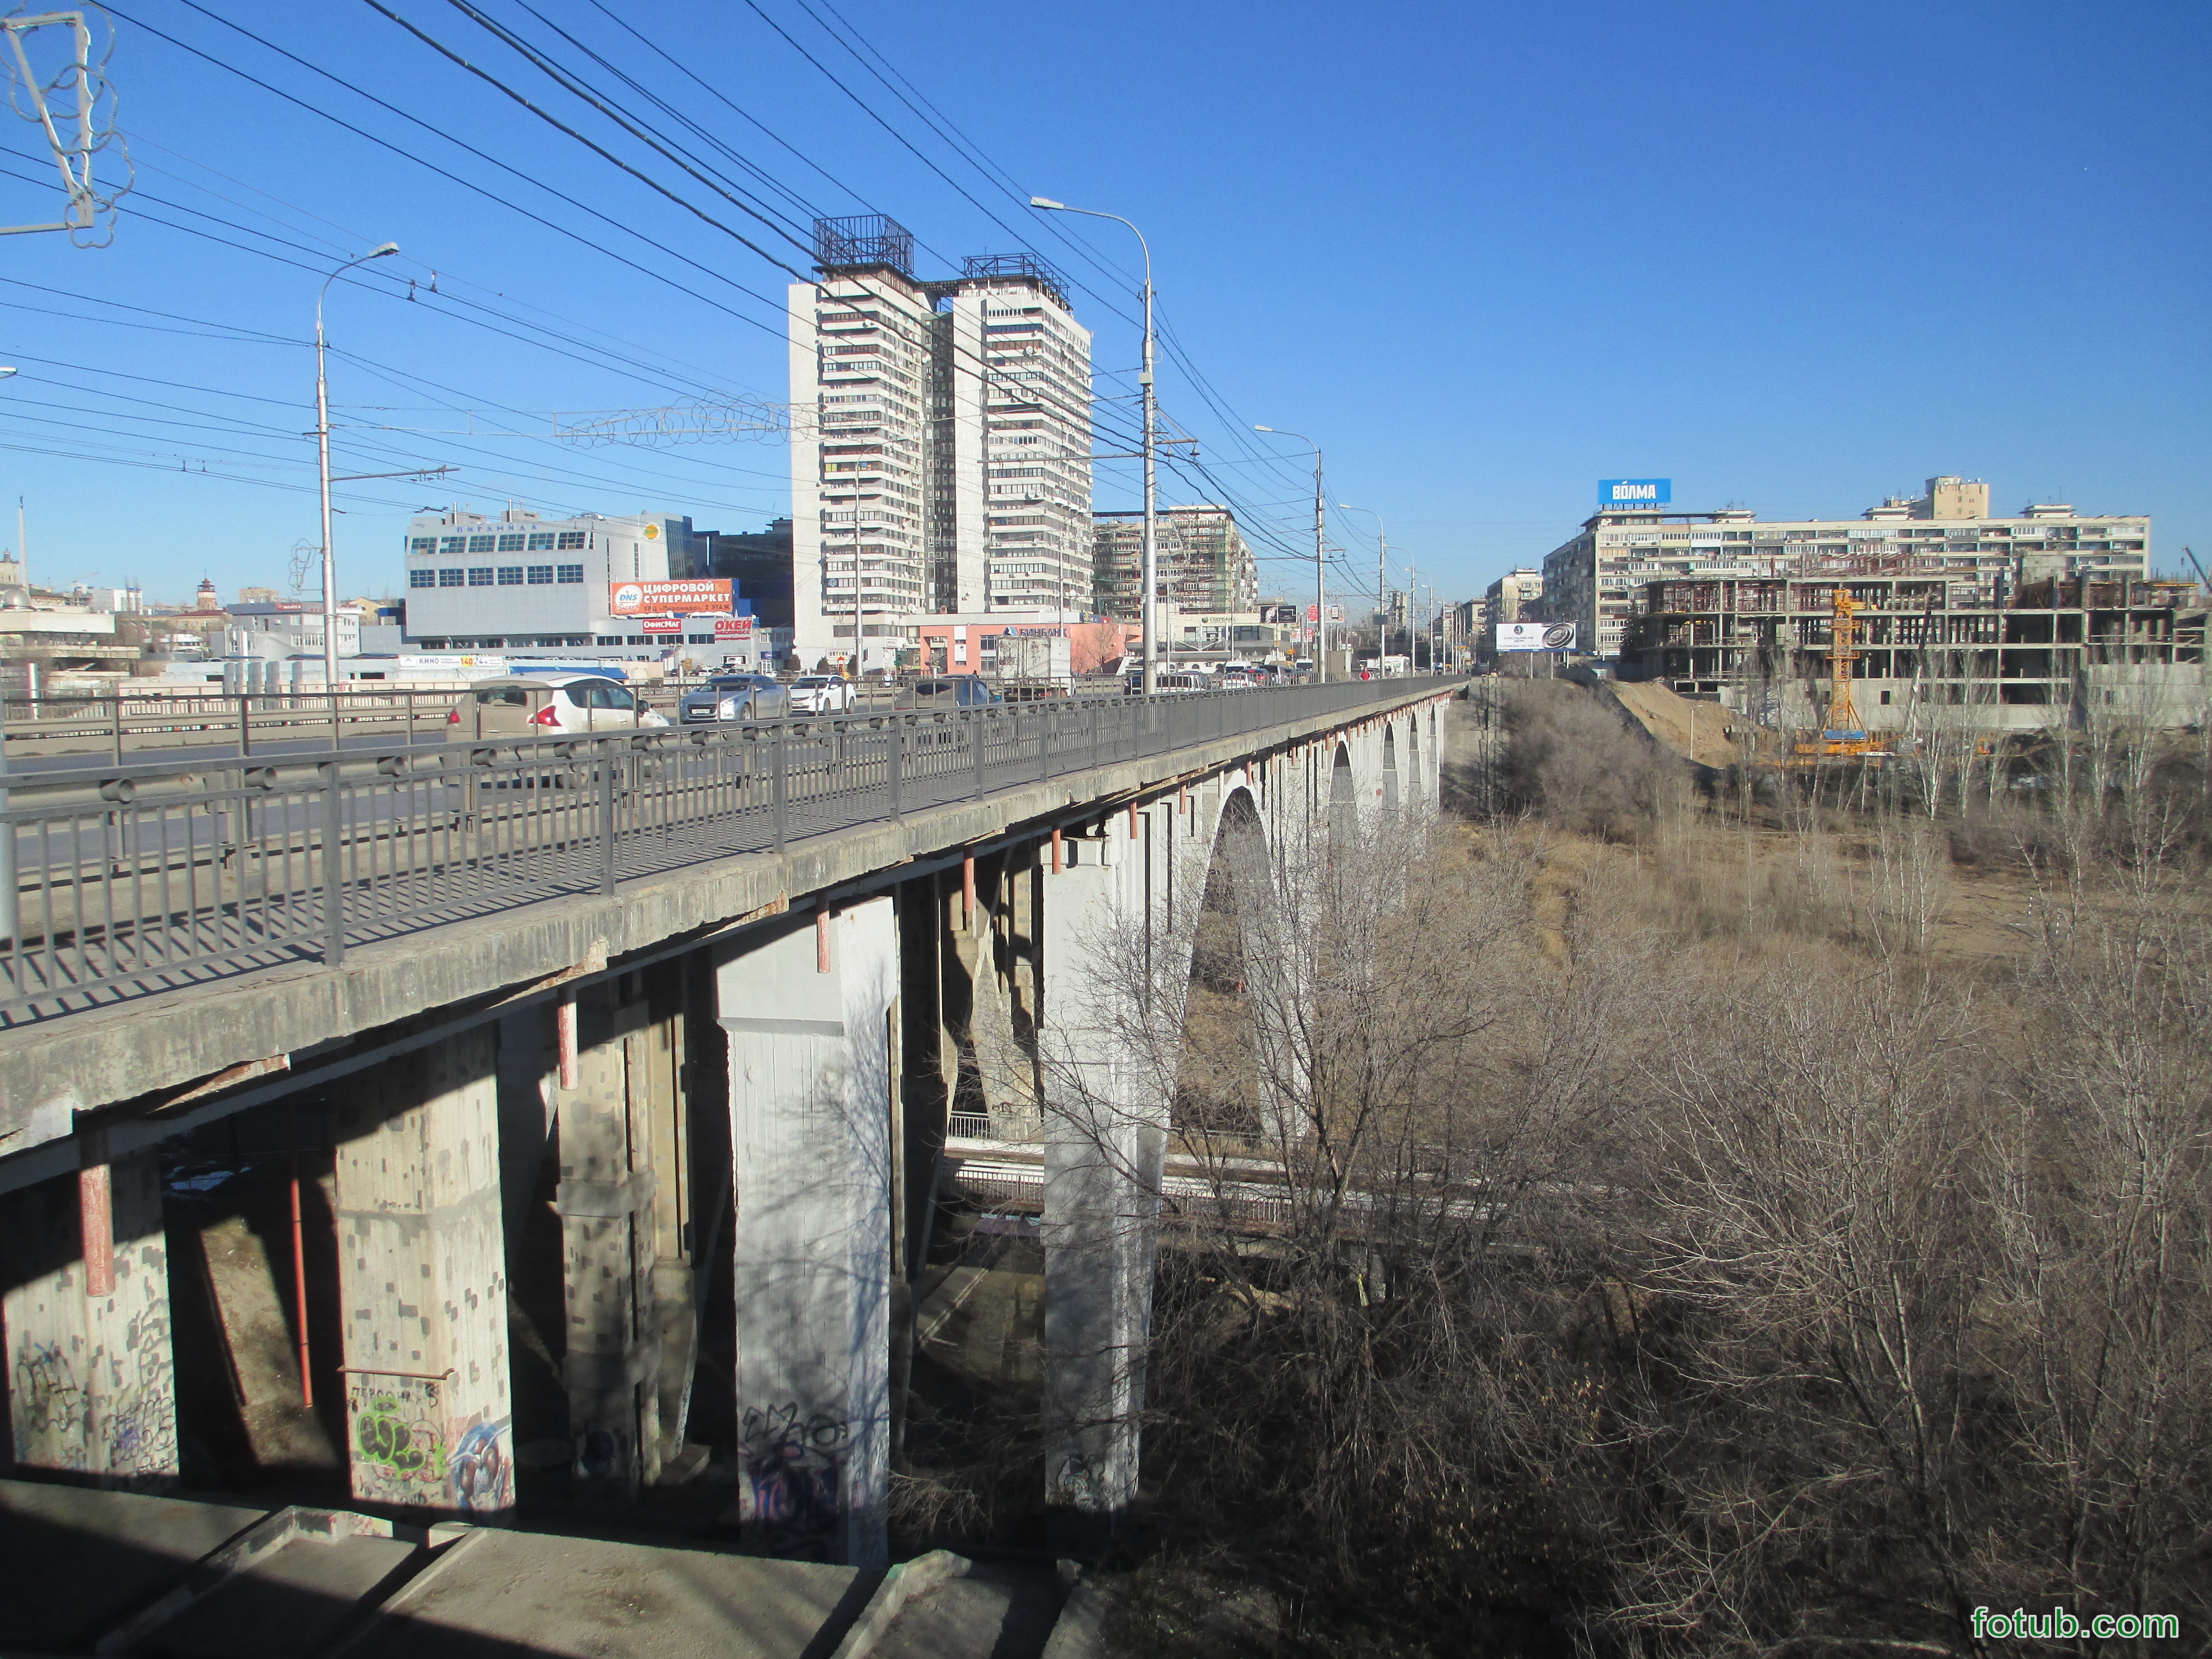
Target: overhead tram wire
(657,188)
(668,365)
(454,178)
(563,79)
(554,122)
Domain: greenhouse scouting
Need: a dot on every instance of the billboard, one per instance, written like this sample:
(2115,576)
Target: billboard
(1635,492)
(733,628)
(1535,636)
(670,598)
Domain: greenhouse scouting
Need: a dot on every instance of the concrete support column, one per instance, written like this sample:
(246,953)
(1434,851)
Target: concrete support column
(91,1384)
(608,1199)
(812,1083)
(422,1271)
(1105,1140)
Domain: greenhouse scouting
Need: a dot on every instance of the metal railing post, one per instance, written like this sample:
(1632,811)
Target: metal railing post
(779,784)
(333,868)
(607,820)
(894,763)
(7,853)
(975,722)
(118,727)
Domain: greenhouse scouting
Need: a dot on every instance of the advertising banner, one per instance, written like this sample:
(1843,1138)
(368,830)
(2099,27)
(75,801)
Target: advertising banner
(670,598)
(661,625)
(1535,636)
(733,628)
(1635,492)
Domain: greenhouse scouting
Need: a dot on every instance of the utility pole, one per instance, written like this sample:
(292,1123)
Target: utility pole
(1147,611)
(323,461)
(1412,624)
(1320,555)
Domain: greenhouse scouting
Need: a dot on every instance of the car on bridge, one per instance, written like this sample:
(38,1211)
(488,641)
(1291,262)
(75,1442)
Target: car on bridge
(951,692)
(821,694)
(525,706)
(735,698)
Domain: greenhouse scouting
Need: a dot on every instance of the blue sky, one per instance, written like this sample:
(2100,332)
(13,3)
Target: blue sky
(1793,257)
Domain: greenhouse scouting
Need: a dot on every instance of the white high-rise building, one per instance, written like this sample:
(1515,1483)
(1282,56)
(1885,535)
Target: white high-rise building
(940,445)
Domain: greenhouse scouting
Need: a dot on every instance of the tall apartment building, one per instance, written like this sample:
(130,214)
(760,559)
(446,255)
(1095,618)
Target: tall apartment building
(946,466)
(1590,580)
(1204,563)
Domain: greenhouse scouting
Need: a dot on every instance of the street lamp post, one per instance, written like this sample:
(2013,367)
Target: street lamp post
(1150,571)
(1382,582)
(6,831)
(1321,554)
(323,462)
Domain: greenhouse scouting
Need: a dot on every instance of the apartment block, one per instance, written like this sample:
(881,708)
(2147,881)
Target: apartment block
(940,454)
(1590,581)
(1204,563)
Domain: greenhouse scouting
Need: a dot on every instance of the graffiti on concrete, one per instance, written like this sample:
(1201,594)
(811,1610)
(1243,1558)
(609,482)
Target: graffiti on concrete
(48,1407)
(398,1439)
(137,1425)
(791,1473)
(480,1474)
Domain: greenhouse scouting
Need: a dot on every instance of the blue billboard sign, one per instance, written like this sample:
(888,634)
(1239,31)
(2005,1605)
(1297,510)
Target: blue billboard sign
(1635,492)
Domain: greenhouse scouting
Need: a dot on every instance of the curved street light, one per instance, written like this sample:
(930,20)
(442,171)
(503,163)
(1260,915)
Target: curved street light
(323,459)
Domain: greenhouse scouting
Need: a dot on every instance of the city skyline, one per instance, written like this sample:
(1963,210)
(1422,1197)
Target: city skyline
(1785,326)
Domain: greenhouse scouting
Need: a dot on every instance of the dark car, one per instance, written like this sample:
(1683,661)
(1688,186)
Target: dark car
(958,691)
(735,698)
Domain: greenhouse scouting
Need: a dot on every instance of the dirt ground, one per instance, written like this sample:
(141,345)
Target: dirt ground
(1696,731)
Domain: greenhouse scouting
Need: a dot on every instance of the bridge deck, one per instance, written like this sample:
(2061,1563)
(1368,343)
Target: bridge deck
(175,926)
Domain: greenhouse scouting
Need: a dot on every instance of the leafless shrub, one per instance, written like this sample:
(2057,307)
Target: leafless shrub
(1573,760)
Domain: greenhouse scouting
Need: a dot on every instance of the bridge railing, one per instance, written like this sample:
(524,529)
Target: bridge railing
(140,878)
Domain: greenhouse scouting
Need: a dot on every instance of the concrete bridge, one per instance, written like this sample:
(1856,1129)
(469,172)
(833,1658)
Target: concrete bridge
(582,1063)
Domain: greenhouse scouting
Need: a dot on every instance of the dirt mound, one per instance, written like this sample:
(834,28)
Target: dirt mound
(1696,731)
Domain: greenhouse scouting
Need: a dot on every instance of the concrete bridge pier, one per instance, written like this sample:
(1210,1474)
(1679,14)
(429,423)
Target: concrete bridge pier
(626,1252)
(812,1014)
(423,1276)
(1106,1122)
(91,1384)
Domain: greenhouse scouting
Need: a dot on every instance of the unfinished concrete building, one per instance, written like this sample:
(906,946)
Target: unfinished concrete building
(2045,654)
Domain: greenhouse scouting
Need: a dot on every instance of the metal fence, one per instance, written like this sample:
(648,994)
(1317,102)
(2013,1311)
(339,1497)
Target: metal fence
(139,878)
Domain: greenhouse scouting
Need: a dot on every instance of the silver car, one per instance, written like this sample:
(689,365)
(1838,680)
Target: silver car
(735,698)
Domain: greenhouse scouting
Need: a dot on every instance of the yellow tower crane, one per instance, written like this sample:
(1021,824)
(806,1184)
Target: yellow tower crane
(1843,734)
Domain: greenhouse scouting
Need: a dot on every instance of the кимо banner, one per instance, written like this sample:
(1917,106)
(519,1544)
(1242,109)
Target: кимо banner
(1535,636)
(670,598)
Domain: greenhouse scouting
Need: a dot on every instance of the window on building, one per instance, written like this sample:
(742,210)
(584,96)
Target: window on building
(511,544)
(423,544)
(480,576)
(454,544)
(570,539)
(510,576)
(541,575)
(569,573)
(422,579)
(541,541)
(609,638)
(452,578)
(482,543)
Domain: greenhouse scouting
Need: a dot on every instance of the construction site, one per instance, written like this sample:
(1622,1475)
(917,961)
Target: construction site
(1850,659)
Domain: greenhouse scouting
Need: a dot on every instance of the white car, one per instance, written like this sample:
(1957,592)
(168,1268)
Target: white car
(821,694)
(523,706)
